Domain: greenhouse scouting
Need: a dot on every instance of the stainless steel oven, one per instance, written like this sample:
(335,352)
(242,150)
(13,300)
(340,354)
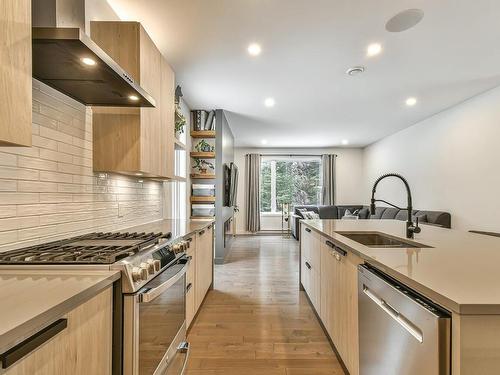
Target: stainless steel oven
(154,321)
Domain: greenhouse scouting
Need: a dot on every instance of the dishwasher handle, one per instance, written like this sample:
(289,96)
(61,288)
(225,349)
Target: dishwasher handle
(409,326)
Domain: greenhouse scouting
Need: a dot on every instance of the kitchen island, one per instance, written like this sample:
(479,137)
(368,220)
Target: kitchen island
(456,270)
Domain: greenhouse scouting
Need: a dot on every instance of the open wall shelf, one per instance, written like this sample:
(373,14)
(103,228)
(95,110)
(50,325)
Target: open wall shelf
(201,176)
(203,133)
(203,155)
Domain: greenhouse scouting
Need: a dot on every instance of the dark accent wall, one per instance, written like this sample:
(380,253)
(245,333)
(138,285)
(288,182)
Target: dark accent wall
(224,145)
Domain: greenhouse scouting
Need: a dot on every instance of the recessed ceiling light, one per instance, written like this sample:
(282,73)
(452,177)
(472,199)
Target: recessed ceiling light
(133,97)
(269,102)
(254,49)
(355,70)
(88,61)
(345,142)
(373,49)
(410,102)
(264,141)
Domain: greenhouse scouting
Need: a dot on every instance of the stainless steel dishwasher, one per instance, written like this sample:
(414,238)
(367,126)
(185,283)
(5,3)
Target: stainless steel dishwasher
(400,332)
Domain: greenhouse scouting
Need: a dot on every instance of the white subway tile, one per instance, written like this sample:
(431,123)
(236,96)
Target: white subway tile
(36,209)
(55,177)
(36,186)
(7,159)
(8,211)
(55,197)
(55,156)
(36,233)
(56,135)
(8,185)
(46,143)
(35,163)
(19,223)
(19,198)
(43,120)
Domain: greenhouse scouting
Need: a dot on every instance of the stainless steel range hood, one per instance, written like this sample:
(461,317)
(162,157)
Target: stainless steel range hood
(65,58)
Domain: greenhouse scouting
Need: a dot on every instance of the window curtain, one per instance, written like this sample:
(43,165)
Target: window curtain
(252,164)
(328,178)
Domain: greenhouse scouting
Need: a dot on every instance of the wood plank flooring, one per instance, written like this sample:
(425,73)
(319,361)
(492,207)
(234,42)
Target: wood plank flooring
(255,321)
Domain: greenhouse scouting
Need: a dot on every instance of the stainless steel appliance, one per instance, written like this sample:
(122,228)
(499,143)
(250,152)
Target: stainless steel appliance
(65,58)
(149,307)
(400,331)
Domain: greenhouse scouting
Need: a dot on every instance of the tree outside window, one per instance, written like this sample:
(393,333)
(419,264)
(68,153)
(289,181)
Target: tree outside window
(289,180)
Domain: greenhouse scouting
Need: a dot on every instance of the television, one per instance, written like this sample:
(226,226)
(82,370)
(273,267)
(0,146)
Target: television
(230,184)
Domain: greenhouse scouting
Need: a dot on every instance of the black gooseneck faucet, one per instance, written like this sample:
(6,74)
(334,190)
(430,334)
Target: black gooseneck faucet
(411,229)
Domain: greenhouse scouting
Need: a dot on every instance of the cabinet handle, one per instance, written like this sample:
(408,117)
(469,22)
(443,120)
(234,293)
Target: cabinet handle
(308,230)
(328,243)
(336,248)
(31,343)
(308,265)
(202,232)
(190,239)
(188,287)
(209,227)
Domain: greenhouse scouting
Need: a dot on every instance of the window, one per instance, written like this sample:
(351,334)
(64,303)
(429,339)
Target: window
(294,180)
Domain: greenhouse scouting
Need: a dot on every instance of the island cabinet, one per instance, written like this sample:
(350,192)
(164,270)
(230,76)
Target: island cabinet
(83,344)
(310,265)
(339,301)
(135,141)
(15,73)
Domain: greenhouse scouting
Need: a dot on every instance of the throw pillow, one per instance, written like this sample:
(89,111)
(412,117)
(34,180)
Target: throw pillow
(310,215)
(348,215)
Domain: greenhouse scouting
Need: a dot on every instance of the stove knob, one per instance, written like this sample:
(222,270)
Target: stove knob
(157,265)
(136,274)
(177,248)
(151,266)
(144,271)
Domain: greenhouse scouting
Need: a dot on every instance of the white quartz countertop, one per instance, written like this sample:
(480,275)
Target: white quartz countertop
(459,272)
(30,299)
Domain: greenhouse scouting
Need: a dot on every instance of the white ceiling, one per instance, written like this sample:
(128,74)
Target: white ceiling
(307,45)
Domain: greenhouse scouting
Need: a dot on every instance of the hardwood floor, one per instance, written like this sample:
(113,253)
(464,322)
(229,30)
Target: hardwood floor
(255,321)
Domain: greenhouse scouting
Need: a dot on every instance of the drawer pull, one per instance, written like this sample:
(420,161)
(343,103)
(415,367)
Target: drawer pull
(308,265)
(22,349)
(188,287)
(202,232)
(190,239)
(308,230)
(328,243)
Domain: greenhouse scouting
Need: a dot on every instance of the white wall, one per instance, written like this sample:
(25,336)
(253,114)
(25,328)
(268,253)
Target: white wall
(349,187)
(451,161)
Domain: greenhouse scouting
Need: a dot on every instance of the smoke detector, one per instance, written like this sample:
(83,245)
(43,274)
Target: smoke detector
(355,70)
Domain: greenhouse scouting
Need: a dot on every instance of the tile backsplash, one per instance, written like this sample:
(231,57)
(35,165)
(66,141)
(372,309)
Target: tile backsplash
(49,191)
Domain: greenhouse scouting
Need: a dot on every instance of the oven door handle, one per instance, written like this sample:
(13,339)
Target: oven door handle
(151,294)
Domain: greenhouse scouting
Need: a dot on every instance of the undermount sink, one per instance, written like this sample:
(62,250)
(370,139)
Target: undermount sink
(381,240)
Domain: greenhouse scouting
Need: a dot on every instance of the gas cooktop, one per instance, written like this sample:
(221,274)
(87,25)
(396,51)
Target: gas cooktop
(93,248)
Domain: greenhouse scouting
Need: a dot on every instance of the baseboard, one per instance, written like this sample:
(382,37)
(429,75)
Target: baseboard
(337,354)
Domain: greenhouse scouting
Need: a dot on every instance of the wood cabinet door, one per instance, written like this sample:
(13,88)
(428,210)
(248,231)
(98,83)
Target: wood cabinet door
(310,266)
(151,134)
(328,268)
(351,355)
(83,348)
(304,256)
(204,264)
(15,73)
(167,121)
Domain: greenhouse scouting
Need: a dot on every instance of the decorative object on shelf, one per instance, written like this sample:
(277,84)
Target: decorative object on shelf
(180,119)
(204,146)
(202,165)
(285,220)
(203,120)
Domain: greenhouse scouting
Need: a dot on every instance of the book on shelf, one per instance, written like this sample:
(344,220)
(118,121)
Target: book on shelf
(203,120)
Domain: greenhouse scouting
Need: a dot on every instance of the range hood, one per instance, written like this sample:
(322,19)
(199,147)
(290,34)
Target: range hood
(65,58)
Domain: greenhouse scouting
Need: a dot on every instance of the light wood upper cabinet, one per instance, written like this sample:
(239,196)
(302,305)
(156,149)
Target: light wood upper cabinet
(135,140)
(83,347)
(15,73)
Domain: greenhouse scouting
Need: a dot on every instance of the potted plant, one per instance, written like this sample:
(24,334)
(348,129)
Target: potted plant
(202,166)
(204,146)
(180,121)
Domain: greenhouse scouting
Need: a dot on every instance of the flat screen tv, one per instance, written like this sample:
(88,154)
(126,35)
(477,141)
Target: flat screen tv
(230,184)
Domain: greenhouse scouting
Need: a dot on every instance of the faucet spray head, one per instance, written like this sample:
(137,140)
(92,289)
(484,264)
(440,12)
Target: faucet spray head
(372,207)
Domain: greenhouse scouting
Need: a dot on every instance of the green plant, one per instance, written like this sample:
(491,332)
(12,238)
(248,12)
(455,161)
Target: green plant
(180,120)
(201,164)
(204,146)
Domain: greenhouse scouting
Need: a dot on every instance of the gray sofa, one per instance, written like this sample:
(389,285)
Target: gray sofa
(437,218)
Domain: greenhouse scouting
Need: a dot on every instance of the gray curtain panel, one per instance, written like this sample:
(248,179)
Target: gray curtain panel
(252,163)
(328,191)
